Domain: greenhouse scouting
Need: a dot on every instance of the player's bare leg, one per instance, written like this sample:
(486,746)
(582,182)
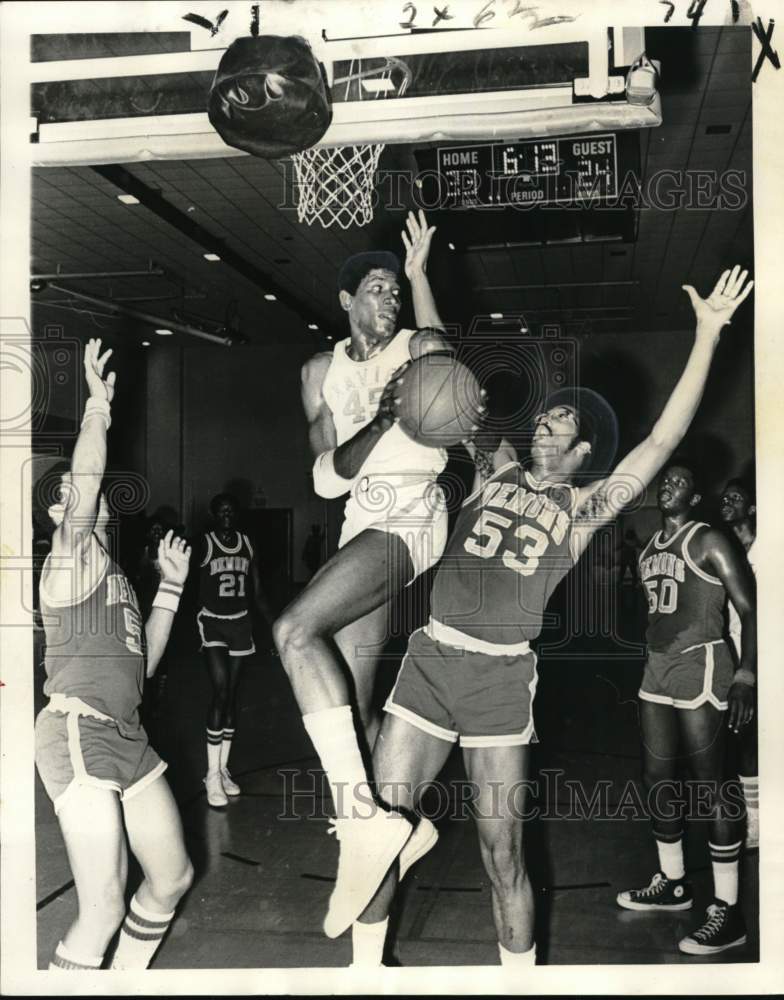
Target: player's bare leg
(219,670)
(156,840)
(404,760)
(500,774)
(358,579)
(362,644)
(704,736)
(91,823)
(668,890)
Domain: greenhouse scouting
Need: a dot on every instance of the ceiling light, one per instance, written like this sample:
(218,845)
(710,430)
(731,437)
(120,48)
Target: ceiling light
(145,343)
(313,326)
(128,199)
(211,256)
(164,332)
(451,246)
(496,315)
(270,297)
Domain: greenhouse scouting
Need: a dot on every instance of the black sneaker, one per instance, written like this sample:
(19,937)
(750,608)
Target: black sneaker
(662,894)
(724,928)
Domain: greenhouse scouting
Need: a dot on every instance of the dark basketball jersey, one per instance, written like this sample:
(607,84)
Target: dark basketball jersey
(223,583)
(94,647)
(508,552)
(685,604)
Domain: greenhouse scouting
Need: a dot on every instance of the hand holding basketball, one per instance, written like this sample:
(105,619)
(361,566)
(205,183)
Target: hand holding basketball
(438,401)
(387,413)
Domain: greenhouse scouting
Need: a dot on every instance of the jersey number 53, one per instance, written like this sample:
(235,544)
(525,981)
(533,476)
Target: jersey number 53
(487,536)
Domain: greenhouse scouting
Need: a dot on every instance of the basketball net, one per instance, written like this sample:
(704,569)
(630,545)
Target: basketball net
(335,183)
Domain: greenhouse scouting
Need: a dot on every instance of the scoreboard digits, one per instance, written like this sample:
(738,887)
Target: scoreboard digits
(539,171)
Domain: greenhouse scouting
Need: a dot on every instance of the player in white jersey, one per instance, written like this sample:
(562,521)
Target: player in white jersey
(738,511)
(394,529)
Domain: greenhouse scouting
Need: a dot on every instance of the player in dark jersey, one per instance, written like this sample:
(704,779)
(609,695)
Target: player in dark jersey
(688,569)
(92,753)
(739,513)
(470,675)
(228,574)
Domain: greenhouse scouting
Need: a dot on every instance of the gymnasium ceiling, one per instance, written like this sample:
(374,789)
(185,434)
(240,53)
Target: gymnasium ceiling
(80,226)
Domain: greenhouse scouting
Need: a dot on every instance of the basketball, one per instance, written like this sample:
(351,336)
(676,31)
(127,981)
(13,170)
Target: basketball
(440,401)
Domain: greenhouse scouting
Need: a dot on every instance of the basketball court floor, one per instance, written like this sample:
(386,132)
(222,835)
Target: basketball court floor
(265,865)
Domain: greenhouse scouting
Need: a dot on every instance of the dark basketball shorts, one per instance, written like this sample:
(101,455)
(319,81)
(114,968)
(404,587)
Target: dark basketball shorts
(480,698)
(76,745)
(691,677)
(234,634)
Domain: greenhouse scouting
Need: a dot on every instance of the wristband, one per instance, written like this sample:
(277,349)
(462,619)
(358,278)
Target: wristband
(326,482)
(168,596)
(744,677)
(98,407)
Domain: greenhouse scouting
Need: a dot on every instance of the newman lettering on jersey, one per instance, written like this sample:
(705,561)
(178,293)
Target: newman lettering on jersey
(663,564)
(229,564)
(119,590)
(524,503)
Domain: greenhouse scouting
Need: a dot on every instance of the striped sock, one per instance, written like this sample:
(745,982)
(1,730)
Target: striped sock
(214,741)
(671,856)
(750,792)
(141,933)
(724,860)
(513,959)
(65,959)
(225,750)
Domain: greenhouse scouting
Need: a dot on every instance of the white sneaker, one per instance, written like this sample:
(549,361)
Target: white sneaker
(422,840)
(230,786)
(367,849)
(216,797)
(752,830)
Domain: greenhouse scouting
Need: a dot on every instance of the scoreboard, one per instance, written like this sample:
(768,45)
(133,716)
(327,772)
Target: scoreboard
(537,172)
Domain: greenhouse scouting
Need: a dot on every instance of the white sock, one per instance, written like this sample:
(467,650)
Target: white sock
(750,793)
(141,933)
(225,748)
(64,958)
(331,731)
(367,943)
(724,861)
(671,858)
(517,958)
(214,743)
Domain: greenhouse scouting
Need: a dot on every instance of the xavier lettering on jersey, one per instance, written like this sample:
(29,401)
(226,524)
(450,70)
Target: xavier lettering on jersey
(229,564)
(663,564)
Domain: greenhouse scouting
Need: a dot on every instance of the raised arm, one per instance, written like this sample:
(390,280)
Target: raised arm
(173,555)
(88,462)
(417,244)
(601,502)
(715,554)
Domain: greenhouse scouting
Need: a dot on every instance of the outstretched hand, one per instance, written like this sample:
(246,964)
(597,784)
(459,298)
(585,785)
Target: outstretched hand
(94,364)
(173,557)
(417,243)
(717,310)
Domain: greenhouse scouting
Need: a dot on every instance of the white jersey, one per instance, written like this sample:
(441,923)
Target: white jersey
(353,389)
(735,628)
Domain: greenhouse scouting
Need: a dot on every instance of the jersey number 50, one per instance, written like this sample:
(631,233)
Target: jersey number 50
(665,599)
(489,527)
